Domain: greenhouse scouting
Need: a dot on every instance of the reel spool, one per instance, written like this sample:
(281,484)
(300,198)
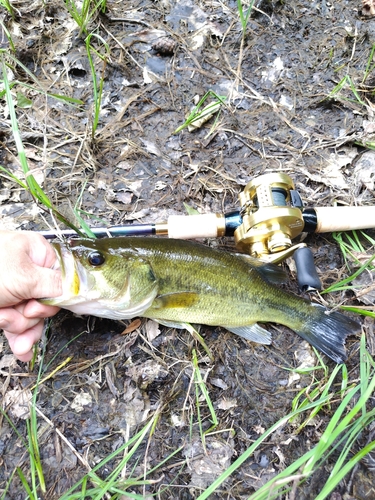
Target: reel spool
(271,211)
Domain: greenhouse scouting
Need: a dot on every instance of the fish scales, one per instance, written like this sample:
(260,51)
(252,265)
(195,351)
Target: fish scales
(177,281)
(229,291)
(237,289)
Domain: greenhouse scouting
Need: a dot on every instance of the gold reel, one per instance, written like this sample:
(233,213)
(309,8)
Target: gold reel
(271,212)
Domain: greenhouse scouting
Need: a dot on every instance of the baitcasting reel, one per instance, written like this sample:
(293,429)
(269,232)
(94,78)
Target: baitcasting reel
(271,213)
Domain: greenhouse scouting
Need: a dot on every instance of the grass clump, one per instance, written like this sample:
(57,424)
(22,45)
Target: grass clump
(29,183)
(351,246)
(97,86)
(244,17)
(83,12)
(340,436)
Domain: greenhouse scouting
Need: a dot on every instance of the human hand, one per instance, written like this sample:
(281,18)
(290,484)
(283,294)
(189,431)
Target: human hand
(26,259)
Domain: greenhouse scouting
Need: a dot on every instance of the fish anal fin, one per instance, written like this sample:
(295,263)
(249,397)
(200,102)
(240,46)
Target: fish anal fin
(175,300)
(254,333)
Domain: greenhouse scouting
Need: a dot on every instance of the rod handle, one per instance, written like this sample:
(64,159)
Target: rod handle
(196,226)
(331,219)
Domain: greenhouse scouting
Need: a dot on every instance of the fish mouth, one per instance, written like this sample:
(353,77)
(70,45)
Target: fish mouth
(71,279)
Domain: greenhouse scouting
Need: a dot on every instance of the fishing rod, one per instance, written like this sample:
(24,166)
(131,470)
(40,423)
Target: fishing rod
(315,220)
(271,215)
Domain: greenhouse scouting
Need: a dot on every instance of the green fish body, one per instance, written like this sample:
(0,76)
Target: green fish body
(176,282)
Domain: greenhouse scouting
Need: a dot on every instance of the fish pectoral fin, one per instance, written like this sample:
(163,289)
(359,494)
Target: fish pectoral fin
(175,300)
(171,324)
(253,332)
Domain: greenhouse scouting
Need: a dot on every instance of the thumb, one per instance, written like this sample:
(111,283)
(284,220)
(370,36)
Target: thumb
(47,283)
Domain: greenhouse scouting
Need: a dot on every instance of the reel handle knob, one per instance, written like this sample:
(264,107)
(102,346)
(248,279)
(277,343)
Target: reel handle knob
(307,276)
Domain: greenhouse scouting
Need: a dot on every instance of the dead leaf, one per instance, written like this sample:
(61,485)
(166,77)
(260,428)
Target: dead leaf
(146,76)
(364,171)
(365,287)
(152,329)
(218,382)
(124,197)
(226,404)
(80,401)
(160,185)
(18,401)
(205,467)
(8,361)
(136,323)
(138,215)
(135,187)
(330,174)
(152,148)
(146,373)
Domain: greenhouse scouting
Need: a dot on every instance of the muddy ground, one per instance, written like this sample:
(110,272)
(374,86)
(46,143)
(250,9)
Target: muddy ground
(281,115)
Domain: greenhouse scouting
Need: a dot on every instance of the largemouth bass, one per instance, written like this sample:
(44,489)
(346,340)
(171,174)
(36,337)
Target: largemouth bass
(177,281)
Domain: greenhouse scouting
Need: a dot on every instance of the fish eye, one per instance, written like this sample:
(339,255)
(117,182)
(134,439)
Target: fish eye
(96,259)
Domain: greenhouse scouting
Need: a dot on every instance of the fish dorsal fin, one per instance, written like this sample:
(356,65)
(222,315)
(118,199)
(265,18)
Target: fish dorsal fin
(253,332)
(175,300)
(271,272)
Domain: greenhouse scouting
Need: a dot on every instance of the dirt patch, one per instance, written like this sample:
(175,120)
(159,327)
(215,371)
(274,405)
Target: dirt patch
(282,114)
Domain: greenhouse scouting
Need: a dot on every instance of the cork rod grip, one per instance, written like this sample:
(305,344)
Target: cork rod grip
(196,226)
(331,219)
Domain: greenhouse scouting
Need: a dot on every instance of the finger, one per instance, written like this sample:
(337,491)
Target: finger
(22,343)
(46,283)
(41,251)
(14,321)
(34,309)
(26,260)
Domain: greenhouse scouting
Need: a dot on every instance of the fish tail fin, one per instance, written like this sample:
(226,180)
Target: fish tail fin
(327,332)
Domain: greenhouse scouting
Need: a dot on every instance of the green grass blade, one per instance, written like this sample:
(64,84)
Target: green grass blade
(244,17)
(13,177)
(25,484)
(339,286)
(196,114)
(38,87)
(369,65)
(8,35)
(77,213)
(341,473)
(32,185)
(200,387)
(253,447)
(196,335)
(133,442)
(97,89)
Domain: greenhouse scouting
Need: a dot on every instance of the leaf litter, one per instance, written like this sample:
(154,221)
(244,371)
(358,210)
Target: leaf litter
(281,115)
